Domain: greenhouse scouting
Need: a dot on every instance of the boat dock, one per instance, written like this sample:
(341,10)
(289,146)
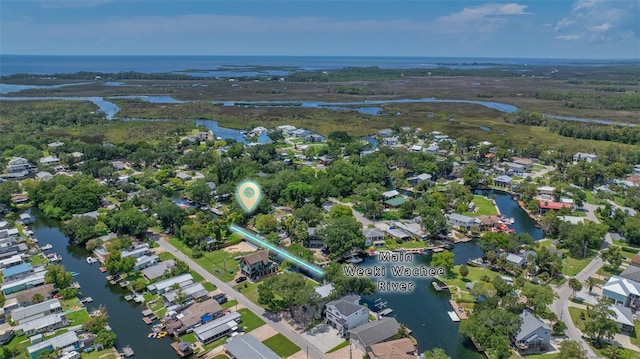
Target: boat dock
(127,351)
(149,320)
(385,312)
(459,311)
(454,317)
(87,300)
(439,287)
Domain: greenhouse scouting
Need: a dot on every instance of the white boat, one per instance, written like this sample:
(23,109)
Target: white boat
(34,239)
(46,247)
(91,260)
(454,317)
(54,257)
(355,260)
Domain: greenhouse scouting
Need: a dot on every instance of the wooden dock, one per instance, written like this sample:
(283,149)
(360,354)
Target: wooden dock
(439,287)
(460,312)
(127,351)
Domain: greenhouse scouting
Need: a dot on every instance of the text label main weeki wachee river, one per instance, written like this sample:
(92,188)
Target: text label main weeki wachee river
(125,318)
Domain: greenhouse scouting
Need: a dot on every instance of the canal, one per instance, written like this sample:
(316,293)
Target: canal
(424,310)
(125,318)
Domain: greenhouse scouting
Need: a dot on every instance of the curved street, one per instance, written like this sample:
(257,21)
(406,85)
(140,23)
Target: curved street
(305,345)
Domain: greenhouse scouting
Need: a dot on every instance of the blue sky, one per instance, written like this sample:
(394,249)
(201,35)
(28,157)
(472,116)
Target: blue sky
(446,28)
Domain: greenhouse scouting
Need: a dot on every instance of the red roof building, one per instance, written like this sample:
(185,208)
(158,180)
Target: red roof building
(546,205)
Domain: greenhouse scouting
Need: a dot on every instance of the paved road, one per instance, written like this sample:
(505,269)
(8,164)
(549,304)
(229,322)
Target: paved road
(543,172)
(280,327)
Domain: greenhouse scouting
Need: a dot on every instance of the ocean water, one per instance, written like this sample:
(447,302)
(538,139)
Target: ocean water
(245,65)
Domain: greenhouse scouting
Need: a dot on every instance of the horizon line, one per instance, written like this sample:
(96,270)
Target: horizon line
(330,56)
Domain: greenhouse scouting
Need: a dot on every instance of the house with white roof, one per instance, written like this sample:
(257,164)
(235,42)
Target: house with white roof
(623,316)
(50,160)
(587,157)
(458,220)
(162,286)
(622,291)
(68,339)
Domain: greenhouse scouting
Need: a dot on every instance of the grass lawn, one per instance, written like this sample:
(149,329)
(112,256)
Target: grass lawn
(413,244)
(475,273)
(67,304)
(608,271)
(573,266)
(484,207)
(216,343)
(102,354)
(591,199)
(189,338)
(164,256)
(575,316)
(281,345)
(78,317)
(220,356)
(250,321)
(249,290)
(18,344)
(208,286)
(338,347)
(219,263)
(545,356)
(229,304)
(37,260)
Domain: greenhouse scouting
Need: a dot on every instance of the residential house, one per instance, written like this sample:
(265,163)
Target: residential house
(458,220)
(390,141)
(167,284)
(314,138)
(137,251)
(546,191)
(534,335)
(50,161)
(217,328)
(44,324)
(145,261)
(385,133)
(18,165)
(192,291)
(394,202)
(194,315)
(20,198)
(25,297)
(54,145)
(158,270)
(118,165)
(26,218)
(490,221)
(397,233)
(247,346)
(346,313)
(636,170)
(632,272)
(622,291)
(516,259)
(66,340)
(572,219)
(373,237)
(514,167)
(415,148)
(324,160)
(587,157)
(257,265)
(313,241)
(503,181)
(17,272)
(31,281)
(390,194)
(183,176)
(524,162)
(44,176)
(545,206)
(395,349)
(623,316)
(423,177)
(379,331)
(24,314)
(432,149)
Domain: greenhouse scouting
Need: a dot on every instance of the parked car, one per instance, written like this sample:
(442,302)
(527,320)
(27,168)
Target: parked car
(241,279)
(6,337)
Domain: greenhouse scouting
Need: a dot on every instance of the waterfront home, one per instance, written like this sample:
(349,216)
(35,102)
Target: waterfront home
(158,270)
(346,313)
(44,324)
(192,291)
(622,291)
(17,272)
(546,191)
(49,161)
(26,218)
(162,286)
(20,198)
(18,165)
(26,314)
(247,346)
(66,340)
(195,314)
(379,331)
(490,221)
(632,272)
(572,219)
(217,328)
(136,252)
(516,259)
(373,237)
(423,177)
(313,240)
(534,335)
(31,281)
(623,316)
(390,141)
(458,220)
(395,349)
(14,260)
(587,157)
(503,181)
(9,247)
(25,297)
(545,206)
(398,233)
(145,261)
(257,265)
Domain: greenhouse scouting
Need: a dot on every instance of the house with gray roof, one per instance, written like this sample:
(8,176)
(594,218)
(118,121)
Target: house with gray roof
(247,346)
(534,334)
(193,291)
(346,313)
(218,328)
(158,270)
(373,237)
(458,220)
(24,314)
(632,272)
(68,339)
(44,324)
(516,259)
(623,316)
(162,286)
(503,181)
(379,331)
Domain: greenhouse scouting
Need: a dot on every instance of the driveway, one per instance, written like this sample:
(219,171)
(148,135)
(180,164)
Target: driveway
(272,321)
(323,336)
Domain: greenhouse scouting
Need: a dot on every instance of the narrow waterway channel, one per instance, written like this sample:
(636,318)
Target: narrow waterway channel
(424,310)
(125,318)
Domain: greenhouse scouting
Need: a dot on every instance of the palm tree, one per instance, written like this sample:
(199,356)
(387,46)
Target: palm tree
(591,283)
(575,285)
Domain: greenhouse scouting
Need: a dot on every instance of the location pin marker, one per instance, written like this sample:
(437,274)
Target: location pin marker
(248,195)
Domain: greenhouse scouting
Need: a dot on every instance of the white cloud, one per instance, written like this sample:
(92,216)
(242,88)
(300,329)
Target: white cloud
(483,18)
(600,20)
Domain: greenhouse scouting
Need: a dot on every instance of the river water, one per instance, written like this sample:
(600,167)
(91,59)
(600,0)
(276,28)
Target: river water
(125,317)
(424,311)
